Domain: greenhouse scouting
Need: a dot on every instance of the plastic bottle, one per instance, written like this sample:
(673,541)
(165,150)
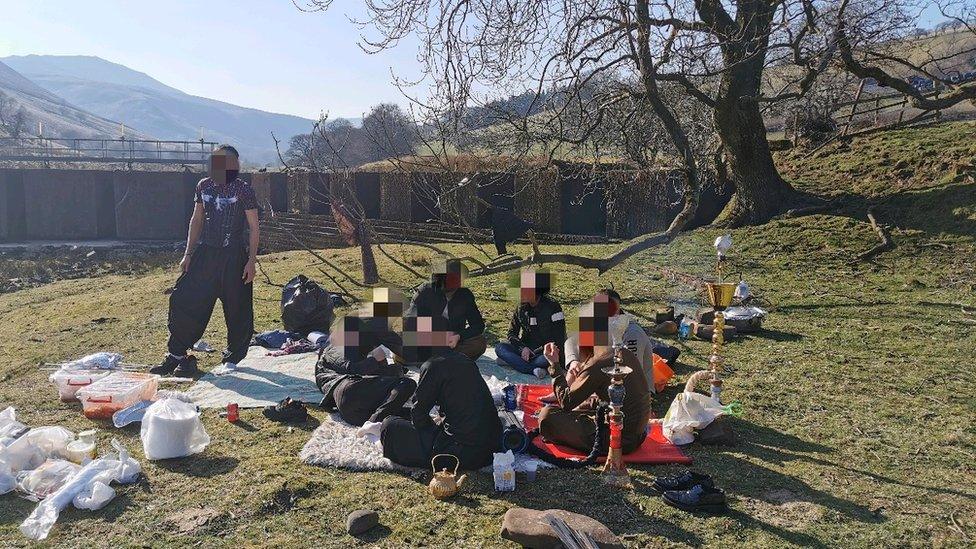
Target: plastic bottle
(684,330)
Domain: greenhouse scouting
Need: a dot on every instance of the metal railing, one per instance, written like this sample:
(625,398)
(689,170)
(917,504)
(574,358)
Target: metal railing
(105,151)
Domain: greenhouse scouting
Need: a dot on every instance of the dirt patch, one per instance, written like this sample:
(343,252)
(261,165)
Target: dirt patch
(189,521)
(784,509)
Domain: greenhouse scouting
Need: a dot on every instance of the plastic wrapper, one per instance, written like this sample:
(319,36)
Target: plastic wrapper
(503,471)
(172,428)
(10,428)
(7,479)
(95,496)
(105,470)
(35,447)
(103,360)
(46,479)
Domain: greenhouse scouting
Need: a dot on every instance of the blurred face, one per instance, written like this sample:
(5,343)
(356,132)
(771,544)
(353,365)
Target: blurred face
(525,286)
(387,303)
(594,323)
(224,166)
(422,336)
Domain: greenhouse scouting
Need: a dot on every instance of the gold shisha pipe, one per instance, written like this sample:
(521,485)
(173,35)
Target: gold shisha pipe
(720,297)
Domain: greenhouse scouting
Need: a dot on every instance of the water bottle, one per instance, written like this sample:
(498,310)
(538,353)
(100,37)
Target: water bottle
(684,330)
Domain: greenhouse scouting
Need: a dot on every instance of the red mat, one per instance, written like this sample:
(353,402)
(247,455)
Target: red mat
(656,449)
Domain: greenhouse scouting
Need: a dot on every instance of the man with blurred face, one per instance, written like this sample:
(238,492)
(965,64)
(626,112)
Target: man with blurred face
(445,296)
(538,319)
(219,263)
(467,426)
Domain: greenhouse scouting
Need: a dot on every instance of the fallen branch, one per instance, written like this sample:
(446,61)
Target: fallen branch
(886,242)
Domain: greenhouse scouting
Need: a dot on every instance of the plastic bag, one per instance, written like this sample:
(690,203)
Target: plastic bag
(689,411)
(35,447)
(10,428)
(305,306)
(104,470)
(46,479)
(172,428)
(7,479)
(95,496)
(104,361)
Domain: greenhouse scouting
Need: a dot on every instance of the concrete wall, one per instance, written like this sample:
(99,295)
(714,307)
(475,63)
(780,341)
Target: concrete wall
(73,204)
(13,222)
(153,205)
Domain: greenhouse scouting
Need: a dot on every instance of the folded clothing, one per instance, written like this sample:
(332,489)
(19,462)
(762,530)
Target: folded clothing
(274,339)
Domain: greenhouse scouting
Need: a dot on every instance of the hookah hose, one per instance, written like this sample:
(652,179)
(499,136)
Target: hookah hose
(599,444)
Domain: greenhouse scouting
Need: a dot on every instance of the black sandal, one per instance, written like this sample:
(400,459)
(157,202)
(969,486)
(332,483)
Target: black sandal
(287,411)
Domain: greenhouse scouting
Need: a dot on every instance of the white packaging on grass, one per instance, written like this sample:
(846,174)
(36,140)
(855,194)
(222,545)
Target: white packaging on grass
(503,471)
(81,489)
(172,428)
(689,411)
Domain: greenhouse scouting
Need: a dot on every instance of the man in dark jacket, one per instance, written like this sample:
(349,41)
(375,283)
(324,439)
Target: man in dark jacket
(354,374)
(444,296)
(538,320)
(468,426)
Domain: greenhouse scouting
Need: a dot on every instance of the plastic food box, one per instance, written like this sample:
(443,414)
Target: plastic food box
(69,382)
(116,391)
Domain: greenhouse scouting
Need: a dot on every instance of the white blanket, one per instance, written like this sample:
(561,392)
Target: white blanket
(262,380)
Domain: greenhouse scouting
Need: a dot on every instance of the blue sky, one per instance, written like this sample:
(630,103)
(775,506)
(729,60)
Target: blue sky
(255,53)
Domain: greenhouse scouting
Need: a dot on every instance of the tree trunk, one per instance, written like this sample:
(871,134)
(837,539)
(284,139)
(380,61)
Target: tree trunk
(760,192)
(371,274)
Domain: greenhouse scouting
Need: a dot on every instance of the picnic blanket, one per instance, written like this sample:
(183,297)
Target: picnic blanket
(262,380)
(335,443)
(656,449)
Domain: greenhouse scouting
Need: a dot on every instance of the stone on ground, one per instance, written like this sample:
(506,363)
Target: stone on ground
(530,528)
(361,520)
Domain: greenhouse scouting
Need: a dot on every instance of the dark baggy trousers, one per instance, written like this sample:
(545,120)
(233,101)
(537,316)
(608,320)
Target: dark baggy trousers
(372,398)
(473,347)
(214,273)
(576,430)
(407,445)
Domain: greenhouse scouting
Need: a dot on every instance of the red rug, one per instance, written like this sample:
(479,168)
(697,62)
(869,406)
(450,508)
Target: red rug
(656,449)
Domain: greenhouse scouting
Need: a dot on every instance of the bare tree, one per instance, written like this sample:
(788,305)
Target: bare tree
(13,118)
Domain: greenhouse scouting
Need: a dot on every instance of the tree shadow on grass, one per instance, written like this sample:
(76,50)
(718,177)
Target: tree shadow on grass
(774,335)
(198,465)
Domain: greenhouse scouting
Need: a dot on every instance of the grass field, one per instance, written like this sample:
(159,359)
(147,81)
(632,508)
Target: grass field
(858,395)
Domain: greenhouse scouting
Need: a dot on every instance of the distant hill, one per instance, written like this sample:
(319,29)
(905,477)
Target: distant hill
(142,102)
(59,117)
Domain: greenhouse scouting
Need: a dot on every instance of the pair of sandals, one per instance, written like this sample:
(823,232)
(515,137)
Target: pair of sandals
(691,492)
(287,411)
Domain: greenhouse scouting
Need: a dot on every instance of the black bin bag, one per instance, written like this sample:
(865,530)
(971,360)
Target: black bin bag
(305,306)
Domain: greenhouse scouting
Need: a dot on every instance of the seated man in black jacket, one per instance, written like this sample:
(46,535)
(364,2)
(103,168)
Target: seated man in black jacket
(468,426)
(538,320)
(444,296)
(354,374)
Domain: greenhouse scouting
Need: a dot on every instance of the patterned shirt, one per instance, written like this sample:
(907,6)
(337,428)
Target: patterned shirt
(224,207)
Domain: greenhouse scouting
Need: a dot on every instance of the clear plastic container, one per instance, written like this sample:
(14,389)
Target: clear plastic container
(69,382)
(116,391)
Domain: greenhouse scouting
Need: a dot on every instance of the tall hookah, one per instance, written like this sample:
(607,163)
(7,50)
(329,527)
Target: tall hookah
(615,470)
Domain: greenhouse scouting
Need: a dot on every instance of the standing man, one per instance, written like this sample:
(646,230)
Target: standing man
(219,263)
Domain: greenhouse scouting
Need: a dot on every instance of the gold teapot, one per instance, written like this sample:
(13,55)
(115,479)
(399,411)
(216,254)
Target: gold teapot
(445,484)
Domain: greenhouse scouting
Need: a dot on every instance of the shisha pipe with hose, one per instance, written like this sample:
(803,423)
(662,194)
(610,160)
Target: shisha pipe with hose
(720,295)
(615,470)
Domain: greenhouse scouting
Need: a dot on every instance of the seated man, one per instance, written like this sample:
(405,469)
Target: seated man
(538,320)
(635,339)
(570,422)
(444,296)
(354,375)
(468,428)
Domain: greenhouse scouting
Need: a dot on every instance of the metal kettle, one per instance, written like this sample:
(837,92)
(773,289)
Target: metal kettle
(445,484)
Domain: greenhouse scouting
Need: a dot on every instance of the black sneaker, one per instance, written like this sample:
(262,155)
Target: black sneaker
(166,367)
(682,481)
(698,498)
(187,367)
(287,411)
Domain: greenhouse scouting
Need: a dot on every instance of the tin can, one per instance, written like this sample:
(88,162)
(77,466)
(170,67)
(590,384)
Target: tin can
(510,397)
(232,412)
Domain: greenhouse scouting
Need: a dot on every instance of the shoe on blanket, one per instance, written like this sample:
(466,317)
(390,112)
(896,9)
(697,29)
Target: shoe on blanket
(287,411)
(682,481)
(698,498)
(171,364)
(187,367)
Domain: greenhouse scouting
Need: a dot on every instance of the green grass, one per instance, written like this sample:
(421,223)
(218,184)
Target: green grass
(858,397)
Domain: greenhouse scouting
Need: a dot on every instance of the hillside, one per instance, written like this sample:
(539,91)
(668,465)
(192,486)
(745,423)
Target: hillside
(857,402)
(120,93)
(60,117)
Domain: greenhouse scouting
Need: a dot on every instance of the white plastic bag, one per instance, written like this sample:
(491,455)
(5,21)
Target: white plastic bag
(172,428)
(36,446)
(95,496)
(105,361)
(689,411)
(7,479)
(103,470)
(10,428)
